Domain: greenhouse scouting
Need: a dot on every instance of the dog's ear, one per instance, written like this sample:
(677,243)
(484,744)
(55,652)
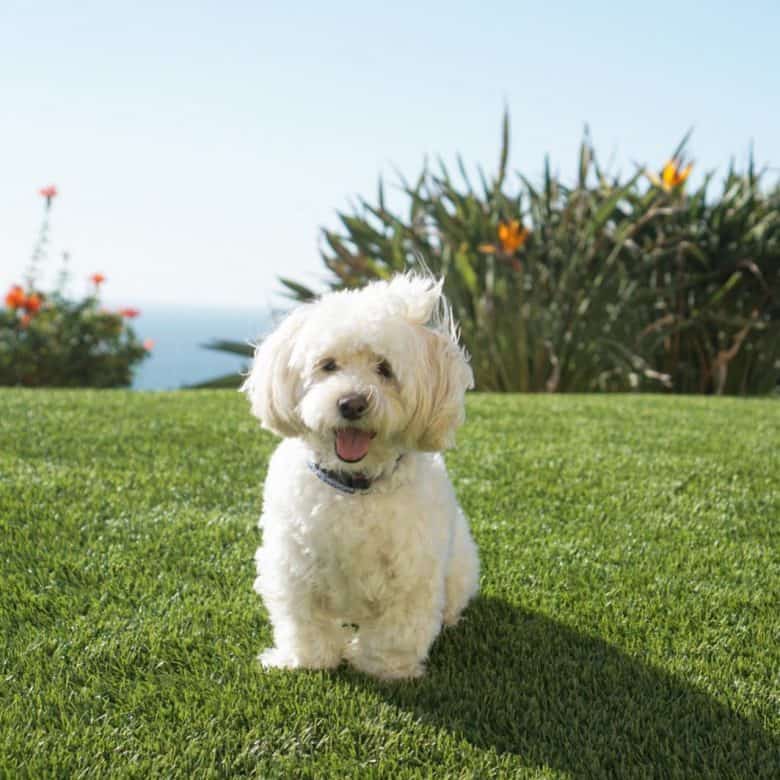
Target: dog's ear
(442,371)
(421,296)
(442,377)
(273,386)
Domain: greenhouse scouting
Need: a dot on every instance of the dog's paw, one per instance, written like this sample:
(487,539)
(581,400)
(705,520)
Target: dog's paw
(383,670)
(274,658)
(412,672)
(278,658)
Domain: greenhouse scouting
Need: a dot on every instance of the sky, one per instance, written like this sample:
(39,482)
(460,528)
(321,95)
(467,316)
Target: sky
(200,147)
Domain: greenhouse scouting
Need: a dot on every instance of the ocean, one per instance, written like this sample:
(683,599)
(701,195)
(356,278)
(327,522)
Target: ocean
(178,332)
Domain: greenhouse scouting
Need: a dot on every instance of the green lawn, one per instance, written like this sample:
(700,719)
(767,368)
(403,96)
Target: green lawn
(629,623)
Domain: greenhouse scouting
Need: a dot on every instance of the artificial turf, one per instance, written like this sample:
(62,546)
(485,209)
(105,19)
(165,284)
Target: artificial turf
(629,622)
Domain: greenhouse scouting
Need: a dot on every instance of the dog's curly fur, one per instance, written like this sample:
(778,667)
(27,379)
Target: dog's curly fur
(367,576)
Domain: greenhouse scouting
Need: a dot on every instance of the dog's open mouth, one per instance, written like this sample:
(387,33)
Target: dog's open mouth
(352,444)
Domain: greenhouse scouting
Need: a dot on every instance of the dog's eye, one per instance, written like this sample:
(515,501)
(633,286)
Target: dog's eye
(383,369)
(329,365)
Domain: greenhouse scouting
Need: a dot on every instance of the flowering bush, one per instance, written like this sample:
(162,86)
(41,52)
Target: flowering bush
(607,284)
(47,339)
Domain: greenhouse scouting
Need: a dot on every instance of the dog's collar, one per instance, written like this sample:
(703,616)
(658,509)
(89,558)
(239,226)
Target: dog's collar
(345,481)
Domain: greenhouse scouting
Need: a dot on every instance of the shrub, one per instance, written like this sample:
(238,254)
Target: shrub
(710,288)
(50,340)
(608,284)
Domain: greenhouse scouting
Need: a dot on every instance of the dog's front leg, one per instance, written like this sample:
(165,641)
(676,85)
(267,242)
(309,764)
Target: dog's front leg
(305,635)
(395,645)
(304,640)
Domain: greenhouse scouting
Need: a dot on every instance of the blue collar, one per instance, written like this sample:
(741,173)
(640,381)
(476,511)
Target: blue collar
(345,481)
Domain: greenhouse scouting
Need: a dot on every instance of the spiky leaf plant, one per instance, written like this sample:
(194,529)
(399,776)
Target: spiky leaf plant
(607,284)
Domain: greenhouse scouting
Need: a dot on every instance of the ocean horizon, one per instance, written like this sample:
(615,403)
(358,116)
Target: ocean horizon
(179,331)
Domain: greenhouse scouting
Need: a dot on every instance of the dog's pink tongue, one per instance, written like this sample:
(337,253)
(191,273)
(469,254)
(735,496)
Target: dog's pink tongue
(352,444)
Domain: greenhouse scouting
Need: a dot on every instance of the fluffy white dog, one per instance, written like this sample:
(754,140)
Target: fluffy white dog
(365,550)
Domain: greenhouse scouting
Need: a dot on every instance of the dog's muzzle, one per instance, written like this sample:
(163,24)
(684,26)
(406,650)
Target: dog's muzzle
(353,406)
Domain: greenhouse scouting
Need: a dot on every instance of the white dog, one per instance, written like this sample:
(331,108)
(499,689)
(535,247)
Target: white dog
(365,551)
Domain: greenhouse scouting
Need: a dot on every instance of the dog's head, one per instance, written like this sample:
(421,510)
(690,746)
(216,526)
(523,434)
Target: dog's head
(364,374)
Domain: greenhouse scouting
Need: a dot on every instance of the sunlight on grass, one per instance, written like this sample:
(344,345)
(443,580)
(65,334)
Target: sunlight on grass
(627,625)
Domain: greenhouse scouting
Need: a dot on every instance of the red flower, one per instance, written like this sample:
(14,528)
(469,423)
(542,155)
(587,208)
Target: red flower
(15,298)
(48,192)
(149,345)
(129,313)
(32,303)
(98,279)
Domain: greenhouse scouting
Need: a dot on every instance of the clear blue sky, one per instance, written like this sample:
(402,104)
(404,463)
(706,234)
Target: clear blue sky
(199,147)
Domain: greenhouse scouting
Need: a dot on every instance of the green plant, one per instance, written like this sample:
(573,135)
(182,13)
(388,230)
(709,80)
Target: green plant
(47,339)
(610,284)
(710,288)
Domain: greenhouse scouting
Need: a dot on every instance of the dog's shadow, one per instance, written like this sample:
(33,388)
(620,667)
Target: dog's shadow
(519,682)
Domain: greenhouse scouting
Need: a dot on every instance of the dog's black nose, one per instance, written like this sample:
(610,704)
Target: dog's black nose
(353,406)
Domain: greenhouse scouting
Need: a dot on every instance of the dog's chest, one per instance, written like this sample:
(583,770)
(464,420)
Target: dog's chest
(361,553)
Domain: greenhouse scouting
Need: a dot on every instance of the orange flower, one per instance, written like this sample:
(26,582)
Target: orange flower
(149,345)
(48,192)
(129,313)
(98,279)
(32,303)
(15,297)
(672,175)
(24,321)
(512,235)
